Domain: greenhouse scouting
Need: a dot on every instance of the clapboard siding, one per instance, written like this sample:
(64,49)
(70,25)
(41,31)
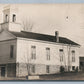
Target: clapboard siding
(24,53)
(5,52)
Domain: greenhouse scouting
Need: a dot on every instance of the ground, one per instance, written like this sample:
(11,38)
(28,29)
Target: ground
(63,76)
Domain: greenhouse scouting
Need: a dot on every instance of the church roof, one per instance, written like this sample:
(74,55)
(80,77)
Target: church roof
(43,37)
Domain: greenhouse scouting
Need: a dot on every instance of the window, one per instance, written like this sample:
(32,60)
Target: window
(61,55)
(33,52)
(11,51)
(6,18)
(14,18)
(33,68)
(73,67)
(48,53)
(73,56)
(47,69)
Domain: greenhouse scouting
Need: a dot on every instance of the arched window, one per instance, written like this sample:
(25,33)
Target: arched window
(6,18)
(14,18)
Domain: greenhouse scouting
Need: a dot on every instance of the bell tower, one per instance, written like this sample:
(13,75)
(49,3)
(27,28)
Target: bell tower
(10,19)
(6,14)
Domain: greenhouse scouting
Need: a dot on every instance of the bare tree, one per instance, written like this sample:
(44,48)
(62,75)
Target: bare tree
(27,62)
(27,24)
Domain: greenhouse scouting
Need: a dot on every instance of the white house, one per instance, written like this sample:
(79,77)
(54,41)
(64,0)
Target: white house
(23,53)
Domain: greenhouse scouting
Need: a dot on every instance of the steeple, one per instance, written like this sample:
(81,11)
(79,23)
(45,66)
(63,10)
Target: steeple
(10,21)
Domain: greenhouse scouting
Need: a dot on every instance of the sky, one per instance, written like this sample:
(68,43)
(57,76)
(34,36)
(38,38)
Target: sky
(68,19)
(41,1)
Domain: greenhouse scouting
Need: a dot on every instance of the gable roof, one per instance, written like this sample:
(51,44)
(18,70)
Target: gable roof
(43,37)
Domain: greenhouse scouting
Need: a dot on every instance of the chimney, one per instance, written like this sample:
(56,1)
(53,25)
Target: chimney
(57,36)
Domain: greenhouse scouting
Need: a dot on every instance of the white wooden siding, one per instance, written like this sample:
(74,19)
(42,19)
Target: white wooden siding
(24,53)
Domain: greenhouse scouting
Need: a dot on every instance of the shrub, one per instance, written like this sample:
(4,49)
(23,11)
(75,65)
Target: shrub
(76,70)
(62,69)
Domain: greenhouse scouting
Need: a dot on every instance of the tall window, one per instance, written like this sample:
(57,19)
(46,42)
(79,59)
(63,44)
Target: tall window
(14,18)
(73,56)
(48,53)
(33,52)
(61,55)
(11,51)
(6,18)
(47,69)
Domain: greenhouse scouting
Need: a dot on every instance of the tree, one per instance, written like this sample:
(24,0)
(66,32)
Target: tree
(27,60)
(27,24)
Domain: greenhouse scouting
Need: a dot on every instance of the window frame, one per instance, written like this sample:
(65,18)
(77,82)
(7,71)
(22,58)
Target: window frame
(61,55)
(47,69)
(33,52)
(33,68)
(48,53)
(73,55)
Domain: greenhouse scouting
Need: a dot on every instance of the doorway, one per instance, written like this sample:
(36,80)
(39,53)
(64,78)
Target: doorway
(3,71)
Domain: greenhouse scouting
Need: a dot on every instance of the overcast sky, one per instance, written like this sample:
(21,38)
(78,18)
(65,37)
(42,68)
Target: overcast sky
(68,19)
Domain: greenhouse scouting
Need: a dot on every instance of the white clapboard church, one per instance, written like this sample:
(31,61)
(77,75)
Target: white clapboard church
(26,53)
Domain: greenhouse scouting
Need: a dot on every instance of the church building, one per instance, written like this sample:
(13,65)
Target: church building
(25,53)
